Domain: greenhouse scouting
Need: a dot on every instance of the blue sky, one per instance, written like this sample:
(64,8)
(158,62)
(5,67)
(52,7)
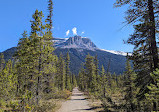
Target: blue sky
(95,19)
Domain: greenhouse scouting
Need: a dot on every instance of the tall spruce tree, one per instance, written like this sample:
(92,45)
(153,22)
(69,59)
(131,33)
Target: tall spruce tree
(82,79)
(2,62)
(96,63)
(50,57)
(88,69)
(93,83)
(68,73)
(129,88)
(61,74)
(103,82)
(153,95)
(90,74)
(74,80)
(35,57)
(8,83)
(143,15)
(49,17)
(22,64)
(37,40)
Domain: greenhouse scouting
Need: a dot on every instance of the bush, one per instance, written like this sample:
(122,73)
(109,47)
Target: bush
(45,106)
(58,95)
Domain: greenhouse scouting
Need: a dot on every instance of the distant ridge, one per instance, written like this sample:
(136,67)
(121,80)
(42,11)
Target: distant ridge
(78,47)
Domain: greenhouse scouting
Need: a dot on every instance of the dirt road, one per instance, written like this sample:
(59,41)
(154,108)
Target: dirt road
(77,103)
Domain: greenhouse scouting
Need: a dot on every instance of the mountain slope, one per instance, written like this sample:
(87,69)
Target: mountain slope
(77,57)
(78,47)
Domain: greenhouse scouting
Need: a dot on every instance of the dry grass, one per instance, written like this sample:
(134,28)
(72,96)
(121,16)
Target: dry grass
(96,105)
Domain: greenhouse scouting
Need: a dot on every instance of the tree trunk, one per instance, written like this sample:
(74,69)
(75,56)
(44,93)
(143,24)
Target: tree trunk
(37,92)
(153,46)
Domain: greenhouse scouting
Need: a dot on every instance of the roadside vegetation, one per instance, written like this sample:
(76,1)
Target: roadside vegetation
(35,79)
(137,89)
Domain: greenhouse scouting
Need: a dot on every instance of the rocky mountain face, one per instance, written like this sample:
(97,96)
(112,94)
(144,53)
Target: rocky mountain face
(78,47)
(80,43)
(75,42)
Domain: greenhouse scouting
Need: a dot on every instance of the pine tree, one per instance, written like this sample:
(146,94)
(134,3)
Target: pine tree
(2,62)
(130,88)
(153,95)
(8,83)
(103,82)
(82,80)
(22,64)
(74,81)
(37,49)
(68,73)
(88,69)
(96,63)
(93,83)
(49,56)
(143,14)
(61,74)
(91,74)
(113,83)
(35,58)
(49,17)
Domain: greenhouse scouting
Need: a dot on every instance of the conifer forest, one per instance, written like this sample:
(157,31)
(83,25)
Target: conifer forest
(35,79)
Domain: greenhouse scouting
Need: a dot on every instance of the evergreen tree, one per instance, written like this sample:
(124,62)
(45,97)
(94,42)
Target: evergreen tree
(74,81)
(96,66)
(153,95)
(88,69)
(8,83)
(90,74)
(68,73)
(82,80)
(22,64)
(96,63)
(103,82)
(2,62)
(50,58)
(143,14)
(61,74)
(130,88)
(49,17)
(35,58)
(93,83)
(37,49)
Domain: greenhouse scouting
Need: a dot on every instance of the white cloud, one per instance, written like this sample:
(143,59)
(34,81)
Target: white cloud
(67,32)
(83,32)
(74,30)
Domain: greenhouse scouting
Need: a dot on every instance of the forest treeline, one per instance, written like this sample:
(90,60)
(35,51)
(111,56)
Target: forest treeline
(137,89)
(118,92)
(35,75)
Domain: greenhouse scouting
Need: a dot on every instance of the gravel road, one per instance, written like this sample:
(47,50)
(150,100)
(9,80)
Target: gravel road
(77,103)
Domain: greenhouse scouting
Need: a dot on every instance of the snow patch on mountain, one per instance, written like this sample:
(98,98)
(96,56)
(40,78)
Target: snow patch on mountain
(78,42)
(117,52)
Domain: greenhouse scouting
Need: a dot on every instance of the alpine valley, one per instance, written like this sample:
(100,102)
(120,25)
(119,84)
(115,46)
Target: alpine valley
(78,47)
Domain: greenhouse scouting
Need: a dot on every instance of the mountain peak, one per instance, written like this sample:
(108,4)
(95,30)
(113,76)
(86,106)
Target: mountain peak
(79,42)
(76,41)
